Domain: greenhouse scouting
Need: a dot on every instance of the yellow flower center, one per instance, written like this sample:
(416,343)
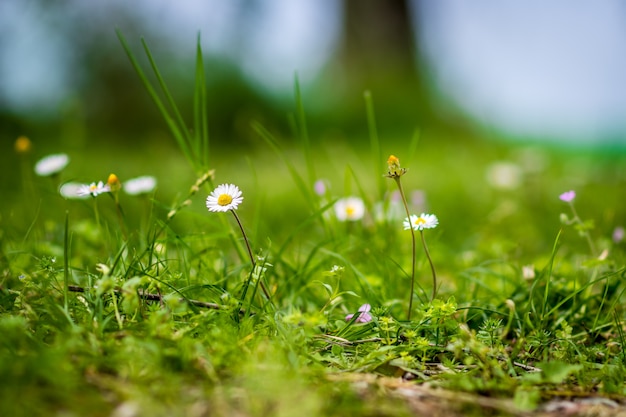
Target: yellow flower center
(224,199)
(350,211)
(93,187)
(419,221)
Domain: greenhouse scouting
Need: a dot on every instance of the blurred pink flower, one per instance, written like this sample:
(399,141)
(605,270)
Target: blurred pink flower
(363,316)
(568,196)
(320,187)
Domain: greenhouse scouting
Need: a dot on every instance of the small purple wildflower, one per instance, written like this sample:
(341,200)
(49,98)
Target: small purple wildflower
(363,316)
(618,234)
(568,196)
(320,188)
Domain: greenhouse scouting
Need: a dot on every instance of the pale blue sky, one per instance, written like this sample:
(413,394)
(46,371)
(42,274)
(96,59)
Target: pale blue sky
(532,67)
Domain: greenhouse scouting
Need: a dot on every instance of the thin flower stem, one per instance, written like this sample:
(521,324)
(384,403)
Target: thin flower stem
(408,214)
(432,265)
(118,317)
(95,211)
(592,247)
(577,219)
(245,238)
(120,216)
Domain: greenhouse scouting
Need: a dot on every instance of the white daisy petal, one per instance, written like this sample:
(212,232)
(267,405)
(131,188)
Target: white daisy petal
(140,185)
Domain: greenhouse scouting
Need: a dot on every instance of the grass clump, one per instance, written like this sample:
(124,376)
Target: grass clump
(320,303)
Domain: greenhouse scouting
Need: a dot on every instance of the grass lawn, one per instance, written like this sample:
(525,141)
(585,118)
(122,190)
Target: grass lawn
(326,280)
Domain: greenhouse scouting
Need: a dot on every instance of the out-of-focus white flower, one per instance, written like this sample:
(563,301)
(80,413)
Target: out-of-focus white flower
(336,269)
(51,164)
(528,272)
(349,209)
(504,175)
(140,185)
(71,190)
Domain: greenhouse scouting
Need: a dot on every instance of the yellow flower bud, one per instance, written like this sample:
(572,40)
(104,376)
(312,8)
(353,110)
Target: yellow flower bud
(114,183)
(23,145)
(394,170)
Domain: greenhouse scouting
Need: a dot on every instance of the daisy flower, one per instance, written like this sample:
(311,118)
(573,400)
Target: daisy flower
(349,209)
(568,196)
(51,164)
(93,189)
(225,197)
(421,222)
(363,316)
(140,185)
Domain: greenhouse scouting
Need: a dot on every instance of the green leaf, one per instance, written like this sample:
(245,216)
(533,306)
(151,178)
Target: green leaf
(556,372)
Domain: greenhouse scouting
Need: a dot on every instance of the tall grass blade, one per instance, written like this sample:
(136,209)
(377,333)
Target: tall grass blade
(201,125)
(375,143)
(547,273)
(182,133)
(620,332)
(415,140)
(174,121)
(273,143)
(303,133)
(66,261)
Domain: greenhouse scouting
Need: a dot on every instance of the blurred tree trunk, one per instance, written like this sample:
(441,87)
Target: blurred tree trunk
(378,52)
(378,38)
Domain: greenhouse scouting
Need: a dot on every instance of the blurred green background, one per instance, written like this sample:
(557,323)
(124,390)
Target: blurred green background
(498,94)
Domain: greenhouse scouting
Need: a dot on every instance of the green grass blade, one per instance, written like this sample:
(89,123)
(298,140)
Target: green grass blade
(377,155)
(66,261)
(620,332)
(304,133)
(176,132)
(183,136)
(201,129)
(415,139)
(548,275)
(273,143)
